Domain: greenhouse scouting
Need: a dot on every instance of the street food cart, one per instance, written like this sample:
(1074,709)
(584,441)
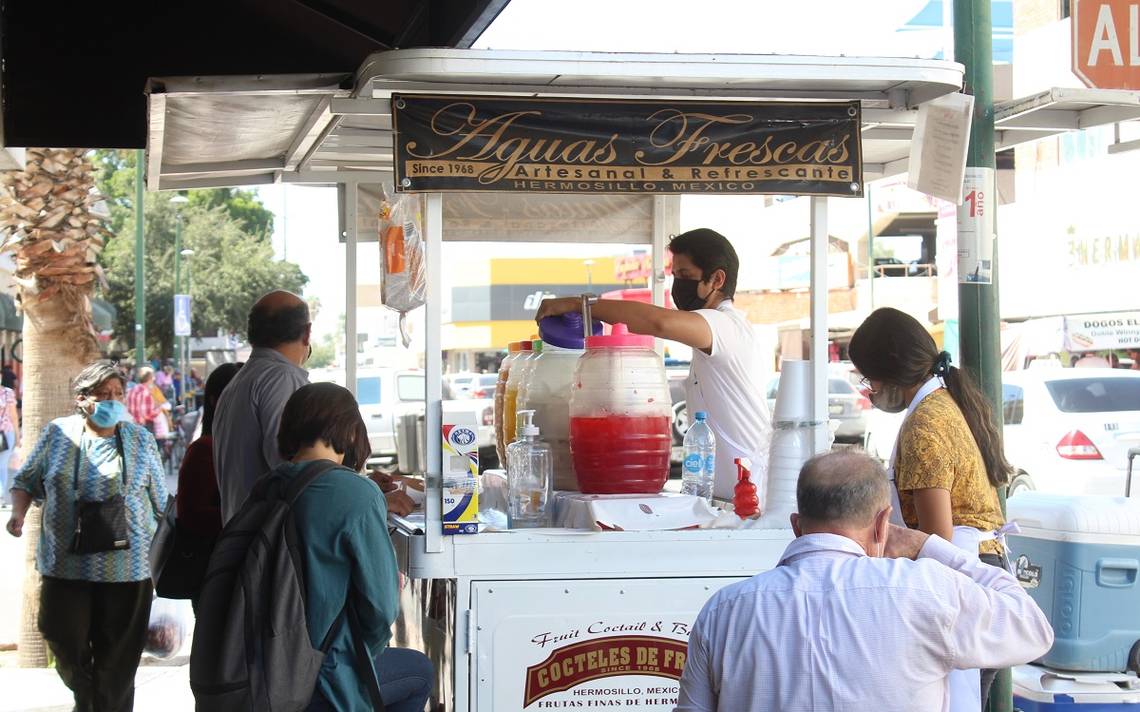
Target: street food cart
(544,619)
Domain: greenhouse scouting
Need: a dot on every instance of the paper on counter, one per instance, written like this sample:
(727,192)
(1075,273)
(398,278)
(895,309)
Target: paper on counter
(662,512)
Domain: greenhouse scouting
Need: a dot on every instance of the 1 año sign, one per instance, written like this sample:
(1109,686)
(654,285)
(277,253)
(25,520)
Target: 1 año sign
(1106,43)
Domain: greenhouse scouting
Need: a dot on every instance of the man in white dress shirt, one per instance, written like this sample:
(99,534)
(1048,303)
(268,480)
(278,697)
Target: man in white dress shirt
(859,614)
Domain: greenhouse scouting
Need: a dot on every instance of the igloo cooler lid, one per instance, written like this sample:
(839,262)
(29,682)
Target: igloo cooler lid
(1042,684)
(1067,517)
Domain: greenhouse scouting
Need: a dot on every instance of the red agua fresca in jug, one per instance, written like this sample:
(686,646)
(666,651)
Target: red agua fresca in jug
(620,416)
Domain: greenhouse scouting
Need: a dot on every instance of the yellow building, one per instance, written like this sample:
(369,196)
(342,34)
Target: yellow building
(493,302)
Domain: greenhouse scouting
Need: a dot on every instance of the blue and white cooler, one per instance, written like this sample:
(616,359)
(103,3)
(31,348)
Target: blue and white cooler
(1079,558)
(1038,689)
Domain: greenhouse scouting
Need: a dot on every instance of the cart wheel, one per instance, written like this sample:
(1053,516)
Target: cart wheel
(680,422)
(1134,658)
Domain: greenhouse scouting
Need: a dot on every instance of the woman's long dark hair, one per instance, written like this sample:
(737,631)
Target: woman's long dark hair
(891,346)
(219,378)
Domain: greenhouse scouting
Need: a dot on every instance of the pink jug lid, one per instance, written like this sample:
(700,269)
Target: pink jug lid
(619,337)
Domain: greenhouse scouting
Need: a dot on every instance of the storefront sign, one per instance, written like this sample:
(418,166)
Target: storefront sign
(639,268)
(1106,43)
(1096,332)
(553,145)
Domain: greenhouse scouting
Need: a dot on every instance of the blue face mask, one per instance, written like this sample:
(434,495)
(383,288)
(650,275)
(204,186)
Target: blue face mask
(108,412)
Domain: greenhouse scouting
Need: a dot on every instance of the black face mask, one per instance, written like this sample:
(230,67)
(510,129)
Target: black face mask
(685,296)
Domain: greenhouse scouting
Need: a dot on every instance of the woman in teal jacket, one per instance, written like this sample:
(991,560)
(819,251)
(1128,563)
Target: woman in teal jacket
(342,525)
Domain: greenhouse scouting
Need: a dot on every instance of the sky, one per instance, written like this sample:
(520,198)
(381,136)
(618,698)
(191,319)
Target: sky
(306,217)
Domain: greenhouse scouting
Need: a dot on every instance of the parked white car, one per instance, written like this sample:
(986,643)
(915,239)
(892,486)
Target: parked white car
(1068,430)
(460,383)
(386,394)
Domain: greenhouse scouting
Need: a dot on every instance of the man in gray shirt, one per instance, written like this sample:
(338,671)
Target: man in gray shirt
(249,411)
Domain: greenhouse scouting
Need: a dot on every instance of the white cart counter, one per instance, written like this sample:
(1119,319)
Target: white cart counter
(553,619)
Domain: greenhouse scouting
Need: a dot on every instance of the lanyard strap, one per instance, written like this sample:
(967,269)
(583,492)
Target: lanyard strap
(82,450)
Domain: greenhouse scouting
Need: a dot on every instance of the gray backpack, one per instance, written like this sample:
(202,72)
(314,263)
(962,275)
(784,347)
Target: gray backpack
(252,649)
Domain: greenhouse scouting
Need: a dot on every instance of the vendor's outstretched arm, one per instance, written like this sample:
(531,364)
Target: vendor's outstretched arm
(685,327)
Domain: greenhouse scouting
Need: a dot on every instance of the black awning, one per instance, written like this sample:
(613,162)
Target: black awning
(74,74)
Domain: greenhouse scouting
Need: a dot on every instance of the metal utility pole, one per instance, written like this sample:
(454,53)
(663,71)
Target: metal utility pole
(177,290)
(977,268)
(179,341)
(140,246)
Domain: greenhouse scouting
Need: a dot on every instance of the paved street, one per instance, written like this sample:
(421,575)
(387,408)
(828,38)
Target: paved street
(161,685)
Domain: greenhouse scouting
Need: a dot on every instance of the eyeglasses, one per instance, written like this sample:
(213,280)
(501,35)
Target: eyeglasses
(865,384)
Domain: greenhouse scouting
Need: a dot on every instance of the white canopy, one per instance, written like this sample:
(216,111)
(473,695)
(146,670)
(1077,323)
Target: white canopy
(217,131)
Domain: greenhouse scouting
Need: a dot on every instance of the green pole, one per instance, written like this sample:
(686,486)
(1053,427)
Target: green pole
(978,314)
(140,245)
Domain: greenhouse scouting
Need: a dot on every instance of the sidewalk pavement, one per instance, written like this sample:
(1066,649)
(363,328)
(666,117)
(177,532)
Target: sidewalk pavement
(158,686)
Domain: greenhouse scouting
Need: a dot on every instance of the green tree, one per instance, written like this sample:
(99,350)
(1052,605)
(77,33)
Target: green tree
(324,353)
(241,205)
(232,264)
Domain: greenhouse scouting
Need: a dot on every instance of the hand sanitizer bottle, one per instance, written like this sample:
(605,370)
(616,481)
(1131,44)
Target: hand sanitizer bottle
(530,475)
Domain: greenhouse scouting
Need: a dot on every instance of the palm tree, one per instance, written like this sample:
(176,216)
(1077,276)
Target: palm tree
(46,220)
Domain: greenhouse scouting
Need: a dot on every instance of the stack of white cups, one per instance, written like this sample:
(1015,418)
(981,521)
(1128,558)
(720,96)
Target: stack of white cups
(792,445)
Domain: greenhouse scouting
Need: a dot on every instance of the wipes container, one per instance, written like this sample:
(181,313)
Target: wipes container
(1079,558)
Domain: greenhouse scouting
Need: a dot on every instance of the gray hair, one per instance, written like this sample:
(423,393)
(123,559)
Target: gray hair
(144,373)
(842,488)
(95,373)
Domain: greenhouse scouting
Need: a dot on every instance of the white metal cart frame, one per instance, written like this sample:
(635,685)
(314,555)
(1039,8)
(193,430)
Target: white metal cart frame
(466,591)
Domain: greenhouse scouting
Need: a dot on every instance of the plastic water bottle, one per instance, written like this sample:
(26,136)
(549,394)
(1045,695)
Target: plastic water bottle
(699,463)
(530,476)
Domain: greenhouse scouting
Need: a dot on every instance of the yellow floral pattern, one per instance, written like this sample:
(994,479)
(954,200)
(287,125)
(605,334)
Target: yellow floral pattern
(937,450)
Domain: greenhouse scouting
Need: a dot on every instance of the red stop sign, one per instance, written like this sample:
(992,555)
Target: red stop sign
(1106,43)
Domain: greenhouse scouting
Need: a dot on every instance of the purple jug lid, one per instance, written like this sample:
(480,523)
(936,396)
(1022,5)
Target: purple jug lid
(565,332)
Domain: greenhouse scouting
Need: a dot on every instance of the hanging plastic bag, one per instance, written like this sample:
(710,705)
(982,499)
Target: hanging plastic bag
(403,284)
(170,622)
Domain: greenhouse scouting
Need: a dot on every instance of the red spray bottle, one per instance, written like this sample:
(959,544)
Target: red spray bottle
(745,501)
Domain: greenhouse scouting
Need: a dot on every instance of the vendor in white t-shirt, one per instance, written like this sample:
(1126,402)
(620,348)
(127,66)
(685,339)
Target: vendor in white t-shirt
(725,371)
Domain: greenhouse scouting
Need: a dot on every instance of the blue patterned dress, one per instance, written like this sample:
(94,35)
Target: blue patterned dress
(48,476)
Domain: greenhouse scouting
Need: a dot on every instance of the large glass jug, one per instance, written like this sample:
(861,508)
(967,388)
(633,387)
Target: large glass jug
(514,349)
(547,390)
(620,415)
(520,371)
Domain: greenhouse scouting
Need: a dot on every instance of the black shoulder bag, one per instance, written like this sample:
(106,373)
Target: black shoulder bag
(100,525)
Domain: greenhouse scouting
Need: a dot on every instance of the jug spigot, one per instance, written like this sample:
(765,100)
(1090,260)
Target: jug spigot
(587,321)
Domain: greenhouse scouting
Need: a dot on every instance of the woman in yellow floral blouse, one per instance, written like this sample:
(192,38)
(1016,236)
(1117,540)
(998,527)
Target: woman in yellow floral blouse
(948,460)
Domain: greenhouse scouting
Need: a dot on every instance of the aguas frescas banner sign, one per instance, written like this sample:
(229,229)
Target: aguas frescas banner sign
(488,143)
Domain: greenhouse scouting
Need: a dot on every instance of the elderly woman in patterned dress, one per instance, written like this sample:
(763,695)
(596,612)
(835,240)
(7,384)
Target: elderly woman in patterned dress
(94,606)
